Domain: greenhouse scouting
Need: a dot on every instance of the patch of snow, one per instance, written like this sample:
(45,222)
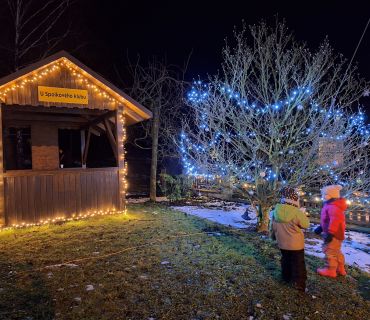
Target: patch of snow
(165,262)
(233,218)
(1,289)
(63,264)
(143,200)
(354,248)
(89,287)
(78,299)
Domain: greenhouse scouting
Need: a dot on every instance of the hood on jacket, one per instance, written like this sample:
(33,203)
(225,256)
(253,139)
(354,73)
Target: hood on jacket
(285,213)
(341,203)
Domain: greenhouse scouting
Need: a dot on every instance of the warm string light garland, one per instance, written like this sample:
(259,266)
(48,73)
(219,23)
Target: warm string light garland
(51,68)
(63,219)
(124,169)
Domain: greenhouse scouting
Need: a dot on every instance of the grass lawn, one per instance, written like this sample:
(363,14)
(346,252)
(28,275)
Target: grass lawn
(234,275)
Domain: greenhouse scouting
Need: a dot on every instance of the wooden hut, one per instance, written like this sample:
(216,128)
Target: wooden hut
(60,92)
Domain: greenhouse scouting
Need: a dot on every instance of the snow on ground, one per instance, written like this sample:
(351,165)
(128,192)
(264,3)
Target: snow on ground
(232,217)
(356,247)
(142,200)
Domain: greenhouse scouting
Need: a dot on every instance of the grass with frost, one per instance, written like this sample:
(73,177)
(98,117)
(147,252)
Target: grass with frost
(234,275)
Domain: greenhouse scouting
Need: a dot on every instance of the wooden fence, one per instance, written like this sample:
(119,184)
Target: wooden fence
(35,196)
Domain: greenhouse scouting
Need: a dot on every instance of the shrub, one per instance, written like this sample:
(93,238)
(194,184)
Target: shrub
(175,188)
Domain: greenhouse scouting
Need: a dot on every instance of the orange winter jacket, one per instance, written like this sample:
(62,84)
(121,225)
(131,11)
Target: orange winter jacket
(332,218)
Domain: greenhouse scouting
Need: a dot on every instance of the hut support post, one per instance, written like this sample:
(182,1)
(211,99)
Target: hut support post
(2,200)
(120,160)
(83,149)
(113,142)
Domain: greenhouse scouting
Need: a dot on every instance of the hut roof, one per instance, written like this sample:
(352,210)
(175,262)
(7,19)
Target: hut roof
(112,97)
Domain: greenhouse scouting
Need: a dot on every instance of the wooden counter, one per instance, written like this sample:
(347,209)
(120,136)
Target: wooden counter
(35,196)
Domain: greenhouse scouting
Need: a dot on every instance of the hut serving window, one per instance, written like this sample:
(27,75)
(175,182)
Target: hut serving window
(17,148)
(69,142)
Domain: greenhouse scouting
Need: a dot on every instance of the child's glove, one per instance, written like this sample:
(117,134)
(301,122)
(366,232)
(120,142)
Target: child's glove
(318,230)
(328,238)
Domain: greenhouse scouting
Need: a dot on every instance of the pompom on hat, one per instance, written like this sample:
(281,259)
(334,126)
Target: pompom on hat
(289,196)
(332,191)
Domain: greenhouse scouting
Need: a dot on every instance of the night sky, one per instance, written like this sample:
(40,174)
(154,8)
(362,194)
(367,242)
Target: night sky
(105,33)
(174,29)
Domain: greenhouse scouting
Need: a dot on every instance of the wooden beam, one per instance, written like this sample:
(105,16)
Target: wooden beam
(121,163)
(102,126)
(23,124)
(2,198)
(112,141)
(99,119)
(94,130)
(134,115)
(53,110)
(36,117)
(87,147)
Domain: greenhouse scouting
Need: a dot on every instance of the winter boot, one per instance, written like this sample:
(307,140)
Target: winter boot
(341,270)
(299,288)
(327,272)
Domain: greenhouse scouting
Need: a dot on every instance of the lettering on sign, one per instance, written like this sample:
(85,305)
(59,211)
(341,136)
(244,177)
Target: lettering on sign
(51,94)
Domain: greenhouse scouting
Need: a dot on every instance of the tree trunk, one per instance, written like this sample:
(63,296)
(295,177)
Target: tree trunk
(153,170)
(20,153)
(226,190)
(263,217)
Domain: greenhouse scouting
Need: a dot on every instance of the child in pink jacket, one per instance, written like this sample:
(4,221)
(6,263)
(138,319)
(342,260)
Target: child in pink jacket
(333,226)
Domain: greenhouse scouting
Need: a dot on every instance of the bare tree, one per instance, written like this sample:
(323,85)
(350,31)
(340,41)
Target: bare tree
(278,115)
(32,34)
(159,87)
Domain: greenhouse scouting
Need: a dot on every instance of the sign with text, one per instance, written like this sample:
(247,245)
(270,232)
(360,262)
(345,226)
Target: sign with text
(51,94)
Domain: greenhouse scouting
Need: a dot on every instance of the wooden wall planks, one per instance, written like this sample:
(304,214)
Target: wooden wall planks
(39,197)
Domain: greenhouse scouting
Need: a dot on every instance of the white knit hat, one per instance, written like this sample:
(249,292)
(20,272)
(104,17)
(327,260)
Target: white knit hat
(332,191)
